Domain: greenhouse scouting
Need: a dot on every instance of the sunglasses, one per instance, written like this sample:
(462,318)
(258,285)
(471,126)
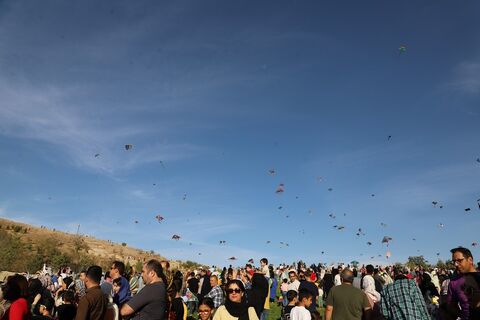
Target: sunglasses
(230,291)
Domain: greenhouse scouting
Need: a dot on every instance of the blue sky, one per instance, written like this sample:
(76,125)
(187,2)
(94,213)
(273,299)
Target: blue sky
(213,94)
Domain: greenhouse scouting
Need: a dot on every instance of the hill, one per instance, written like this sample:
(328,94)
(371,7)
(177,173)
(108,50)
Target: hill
(25,248)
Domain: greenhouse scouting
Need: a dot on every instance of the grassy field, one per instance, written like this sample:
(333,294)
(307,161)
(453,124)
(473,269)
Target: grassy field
(275,311)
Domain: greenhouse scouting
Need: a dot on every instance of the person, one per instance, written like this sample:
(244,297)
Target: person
(345,301)
(292,301)
(178,309)
(258,292)
(205,309)
(107,286)
(368,286)
(463,289)
(204,286)
(235,306)
(273,285)
(68,309)
(300,311)
(284,291)
(264,267)
(294,283)
(216,293)
(15,291)
(309,285)
(327,281)
(117,271)
(402,299)
(151,301)
(93,305)
(44,311)
(337,278)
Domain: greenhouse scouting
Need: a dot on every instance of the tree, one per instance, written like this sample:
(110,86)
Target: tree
(417,261)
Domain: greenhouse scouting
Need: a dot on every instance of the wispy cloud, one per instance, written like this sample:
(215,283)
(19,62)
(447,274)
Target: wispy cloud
(467,77)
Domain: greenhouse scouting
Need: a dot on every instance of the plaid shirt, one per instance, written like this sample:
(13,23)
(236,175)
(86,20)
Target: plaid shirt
(217,296)
(403,300)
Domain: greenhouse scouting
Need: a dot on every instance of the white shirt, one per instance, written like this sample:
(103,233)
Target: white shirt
(300,313)
(294,285)
(336,280)
(368,284)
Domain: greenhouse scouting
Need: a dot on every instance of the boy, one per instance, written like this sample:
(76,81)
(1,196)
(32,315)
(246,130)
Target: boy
(300,312)
(291,296)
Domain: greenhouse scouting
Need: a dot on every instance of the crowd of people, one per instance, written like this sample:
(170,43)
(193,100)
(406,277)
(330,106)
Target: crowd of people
(246,293)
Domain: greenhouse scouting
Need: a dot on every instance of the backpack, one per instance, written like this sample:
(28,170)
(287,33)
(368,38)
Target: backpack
(471,287)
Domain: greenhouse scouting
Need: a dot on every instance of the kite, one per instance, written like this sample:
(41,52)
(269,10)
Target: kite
(478,202)
(369,243)
(388,254)
(251,261)
(330,189)
(287,216)
(128,146)
(441,225)
(339,227)
(386,239)
(402,49)
(389,137)
(331,215)
(268,241)
(163,165)
(467,209)
(176,237)
(360,232)
(136,221)
(280,208)
(159,218)
(271,172)
(280,188)
(373,194)
(434,203)
(438,254)
(310,211)
(474,244)
(322,252)
(97,155)
(184,196)
(414,239)
(383,224)
(223,242)
(319,179)
(232,258)
(199,253)
(478,160)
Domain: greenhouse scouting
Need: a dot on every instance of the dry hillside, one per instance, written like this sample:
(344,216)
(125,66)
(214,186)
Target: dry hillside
(23,239)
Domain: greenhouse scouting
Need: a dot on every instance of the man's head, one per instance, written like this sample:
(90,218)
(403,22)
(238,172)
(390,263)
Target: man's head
(463,260)
(93,276)
(370,269)
(304,298)
(82,275)
(292,275)
(117,269)
(347,276)
(292,296)
(152,271)
(263,262)
(213,281)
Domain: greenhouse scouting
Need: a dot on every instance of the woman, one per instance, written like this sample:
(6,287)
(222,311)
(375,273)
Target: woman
(206,308)
(16,292)
(235,306)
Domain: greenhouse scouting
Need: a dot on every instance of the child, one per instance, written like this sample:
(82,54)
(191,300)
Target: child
(284,289)
(291,295)
(300,312)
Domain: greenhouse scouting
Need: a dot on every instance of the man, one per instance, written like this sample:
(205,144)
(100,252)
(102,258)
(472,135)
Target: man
(117,271)
(403,300)
(106,286)
(301,310)
(345,301)
(463,289)
(80,283)
(309,285)
(216,293)
(294,283)
(150,302)
(337,279)
(368,284)
(94,304)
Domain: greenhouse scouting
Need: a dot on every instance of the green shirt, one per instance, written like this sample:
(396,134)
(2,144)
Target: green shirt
(348,302)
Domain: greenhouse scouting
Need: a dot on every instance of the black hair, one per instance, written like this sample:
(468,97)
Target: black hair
(466,252)
(94,273)
(264,260)
(15,288)
(69,296)
(369,268)
(238,283)
(117,281)
(156,266)
(120,266)
(208,302)
(68,281)
(304,294)
(291,294)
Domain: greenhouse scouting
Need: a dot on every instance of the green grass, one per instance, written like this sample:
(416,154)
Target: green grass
(276,310)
